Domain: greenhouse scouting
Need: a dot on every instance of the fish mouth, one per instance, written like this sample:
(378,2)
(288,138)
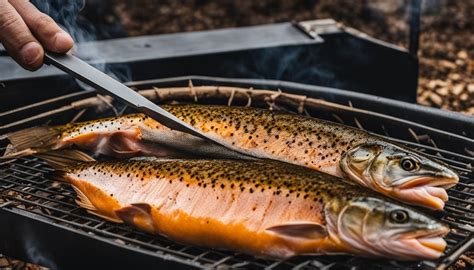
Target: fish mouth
(429,246)
(427,191)
(445,182)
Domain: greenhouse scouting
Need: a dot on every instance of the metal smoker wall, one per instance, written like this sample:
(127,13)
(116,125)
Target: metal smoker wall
(335,58)
(55,231)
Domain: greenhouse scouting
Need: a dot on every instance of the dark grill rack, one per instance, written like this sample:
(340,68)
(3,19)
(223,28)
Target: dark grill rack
(28,197)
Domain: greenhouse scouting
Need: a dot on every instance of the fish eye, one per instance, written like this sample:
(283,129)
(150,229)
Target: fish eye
(408,164)
(399,216)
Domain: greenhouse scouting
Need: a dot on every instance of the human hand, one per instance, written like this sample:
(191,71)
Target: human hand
(25,32)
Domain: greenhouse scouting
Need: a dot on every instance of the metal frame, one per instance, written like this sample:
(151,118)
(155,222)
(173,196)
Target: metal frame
(328,55)
(45,226)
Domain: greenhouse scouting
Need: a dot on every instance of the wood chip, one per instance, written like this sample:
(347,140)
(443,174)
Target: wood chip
(3,262)
(455,76)
(443,91)
(447,64)
(469,111)
(423,98)
(434,83)
(464,97)
(470,88)
(457,89)
(462,54)
(460,62)
(436,99)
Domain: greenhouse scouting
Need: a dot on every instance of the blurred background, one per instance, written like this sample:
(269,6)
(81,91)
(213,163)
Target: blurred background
(446,41)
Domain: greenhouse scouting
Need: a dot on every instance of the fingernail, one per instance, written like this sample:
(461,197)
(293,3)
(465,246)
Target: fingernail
(31,52)
(63,42)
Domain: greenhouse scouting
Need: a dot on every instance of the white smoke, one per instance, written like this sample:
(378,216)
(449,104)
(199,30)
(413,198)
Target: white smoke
(67,14)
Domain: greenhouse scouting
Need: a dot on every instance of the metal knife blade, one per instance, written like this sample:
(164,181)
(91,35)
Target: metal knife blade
(107,85)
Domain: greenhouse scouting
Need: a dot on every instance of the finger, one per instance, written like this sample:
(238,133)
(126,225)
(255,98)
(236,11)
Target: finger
(17,38)
(45,29)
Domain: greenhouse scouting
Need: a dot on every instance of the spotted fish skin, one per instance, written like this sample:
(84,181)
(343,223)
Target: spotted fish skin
(247,133)
(263,208)
(295,139)
(336,149)
(109,136)
(215,203)
(121,136)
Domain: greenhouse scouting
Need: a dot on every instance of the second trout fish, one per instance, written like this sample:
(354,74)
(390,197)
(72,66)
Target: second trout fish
(339,150)
(264,208)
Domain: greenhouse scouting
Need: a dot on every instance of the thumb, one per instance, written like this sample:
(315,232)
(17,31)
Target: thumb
(45,29)
(17,38)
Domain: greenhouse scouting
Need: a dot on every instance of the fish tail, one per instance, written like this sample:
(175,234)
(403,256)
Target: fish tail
(31,140)
(62,159)
(57,175)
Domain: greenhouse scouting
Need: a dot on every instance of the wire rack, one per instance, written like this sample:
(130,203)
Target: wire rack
(24,187)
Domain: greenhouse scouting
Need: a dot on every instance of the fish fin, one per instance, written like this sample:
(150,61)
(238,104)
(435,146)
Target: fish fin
(124,142)
(307,230)
(143,206)
(127,213)
(61,159)
(31,140)
(12,152)
(105,217)
(138,214)
(85,203)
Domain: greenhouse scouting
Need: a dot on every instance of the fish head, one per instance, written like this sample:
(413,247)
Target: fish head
(399,173)
(376,227)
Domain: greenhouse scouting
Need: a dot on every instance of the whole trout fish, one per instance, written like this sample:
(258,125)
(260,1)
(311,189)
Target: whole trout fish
(264,208)
(339,150)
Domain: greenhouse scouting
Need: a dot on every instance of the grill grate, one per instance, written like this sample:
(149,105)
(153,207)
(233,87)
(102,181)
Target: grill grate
(24,187)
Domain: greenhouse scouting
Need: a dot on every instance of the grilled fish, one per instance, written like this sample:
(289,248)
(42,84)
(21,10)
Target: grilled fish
(339,150)
(264,208)
(122,136)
